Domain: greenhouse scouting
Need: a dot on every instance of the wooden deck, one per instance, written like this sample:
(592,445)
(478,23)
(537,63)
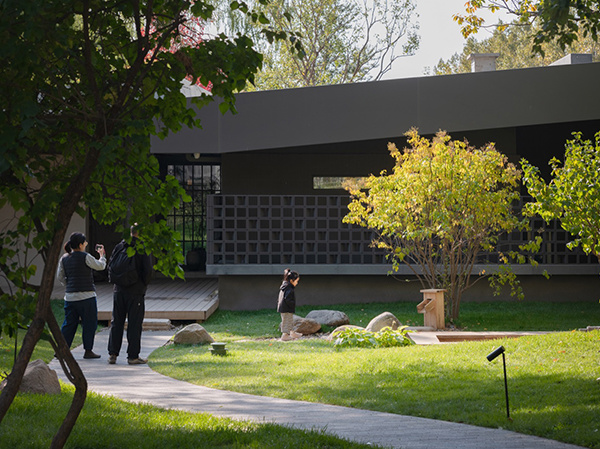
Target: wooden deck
(194,299)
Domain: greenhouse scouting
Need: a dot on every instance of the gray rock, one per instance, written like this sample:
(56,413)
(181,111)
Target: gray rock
(192,334)
(386,319)
(38,378)
(305,326)
(331,318)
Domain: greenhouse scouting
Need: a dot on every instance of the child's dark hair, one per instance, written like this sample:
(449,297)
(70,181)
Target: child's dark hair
(289,275)
(76,239)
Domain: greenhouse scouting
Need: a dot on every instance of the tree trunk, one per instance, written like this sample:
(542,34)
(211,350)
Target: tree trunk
(43,313)
(70,366)
(13,381)
(75,374)
(33,334)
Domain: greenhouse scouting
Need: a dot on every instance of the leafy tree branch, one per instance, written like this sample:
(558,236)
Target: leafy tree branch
(440,211)
(557,21)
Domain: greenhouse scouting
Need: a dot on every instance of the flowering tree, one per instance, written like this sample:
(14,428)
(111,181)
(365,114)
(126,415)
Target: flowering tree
(190,34)
(444,204)
(83,85)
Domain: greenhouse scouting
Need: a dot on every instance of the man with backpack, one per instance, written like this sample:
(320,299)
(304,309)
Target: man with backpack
(130,276)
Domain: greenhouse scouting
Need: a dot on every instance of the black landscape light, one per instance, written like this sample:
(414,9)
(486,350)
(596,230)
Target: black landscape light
(491,356)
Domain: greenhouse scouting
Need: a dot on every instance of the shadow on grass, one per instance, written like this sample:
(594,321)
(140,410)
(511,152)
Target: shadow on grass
(111,423)
(552,390)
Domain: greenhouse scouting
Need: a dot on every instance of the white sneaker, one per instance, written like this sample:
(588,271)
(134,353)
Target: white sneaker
(286,337)
(295,335)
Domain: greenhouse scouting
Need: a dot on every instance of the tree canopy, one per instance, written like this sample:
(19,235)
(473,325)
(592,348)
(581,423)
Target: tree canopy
(440,210)
(558,21)
(83,86)
(343,41)
(514,44)
(572,195)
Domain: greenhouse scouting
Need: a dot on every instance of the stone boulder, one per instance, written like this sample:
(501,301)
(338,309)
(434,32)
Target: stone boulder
(38,378)
(386,319)
(339,329)
(192,334)
(305,326)
(333,318)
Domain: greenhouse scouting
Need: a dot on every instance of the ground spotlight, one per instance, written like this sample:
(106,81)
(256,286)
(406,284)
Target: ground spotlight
(491,356)
(495,353)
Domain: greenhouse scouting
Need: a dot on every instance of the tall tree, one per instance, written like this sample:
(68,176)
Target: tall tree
(559,21)
(514,44)
(572,195)
(443,207)
(344,41)
(83,85)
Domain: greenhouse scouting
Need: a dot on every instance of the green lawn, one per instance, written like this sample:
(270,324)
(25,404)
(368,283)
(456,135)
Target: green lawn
(109,423)
(106,422)
(492,316)
(553,379)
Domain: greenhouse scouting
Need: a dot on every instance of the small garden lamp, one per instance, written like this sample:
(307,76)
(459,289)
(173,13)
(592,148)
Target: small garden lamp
(491,356)
(218,348)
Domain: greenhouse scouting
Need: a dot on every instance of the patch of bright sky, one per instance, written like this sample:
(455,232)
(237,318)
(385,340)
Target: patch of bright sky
(440,37)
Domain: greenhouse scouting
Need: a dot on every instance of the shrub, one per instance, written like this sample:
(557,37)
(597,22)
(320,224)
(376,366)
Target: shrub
(362,338)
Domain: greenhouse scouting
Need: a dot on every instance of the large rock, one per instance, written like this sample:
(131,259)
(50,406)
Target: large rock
(333,318)
(386,319)
(38,378)
(305,326)
(192,334)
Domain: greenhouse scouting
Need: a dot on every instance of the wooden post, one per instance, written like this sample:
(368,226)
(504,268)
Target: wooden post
(432,307)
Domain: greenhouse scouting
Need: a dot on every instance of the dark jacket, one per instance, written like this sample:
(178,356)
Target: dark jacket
(143,263)
(79,275)
(287,299)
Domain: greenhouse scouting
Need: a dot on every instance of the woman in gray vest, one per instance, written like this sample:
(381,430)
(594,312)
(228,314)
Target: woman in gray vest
(75,272)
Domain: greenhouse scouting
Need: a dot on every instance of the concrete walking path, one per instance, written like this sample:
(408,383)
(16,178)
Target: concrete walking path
(138,383)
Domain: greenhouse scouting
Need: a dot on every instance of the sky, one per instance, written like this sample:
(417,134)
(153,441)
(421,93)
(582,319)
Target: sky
(440,37)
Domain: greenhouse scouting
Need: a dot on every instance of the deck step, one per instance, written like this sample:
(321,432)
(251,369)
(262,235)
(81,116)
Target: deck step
(192,300)
(176,300)
(155,324)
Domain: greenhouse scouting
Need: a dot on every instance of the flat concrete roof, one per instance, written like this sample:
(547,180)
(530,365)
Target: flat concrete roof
(383,109)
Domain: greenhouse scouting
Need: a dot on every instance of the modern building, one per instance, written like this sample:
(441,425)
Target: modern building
(265,181)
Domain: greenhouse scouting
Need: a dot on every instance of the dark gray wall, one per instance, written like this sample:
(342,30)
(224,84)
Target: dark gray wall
(281,171)
(291,173)
(260,292)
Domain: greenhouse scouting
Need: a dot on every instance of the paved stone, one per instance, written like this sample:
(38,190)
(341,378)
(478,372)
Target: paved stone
(138,383)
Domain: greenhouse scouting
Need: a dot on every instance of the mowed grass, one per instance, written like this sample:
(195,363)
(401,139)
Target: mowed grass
(10,345)
(554,379)
(107,422)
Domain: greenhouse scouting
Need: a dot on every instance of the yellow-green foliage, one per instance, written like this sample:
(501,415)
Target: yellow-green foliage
(444,203)
(362,338)
(573,193)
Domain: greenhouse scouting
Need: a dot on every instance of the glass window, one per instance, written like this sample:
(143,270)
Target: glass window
(333,182)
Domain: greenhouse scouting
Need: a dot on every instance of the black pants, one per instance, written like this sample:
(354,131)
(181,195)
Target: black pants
(85,311)
(128,306)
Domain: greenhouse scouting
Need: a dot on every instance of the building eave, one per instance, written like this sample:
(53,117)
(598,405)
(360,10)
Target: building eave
(382,109)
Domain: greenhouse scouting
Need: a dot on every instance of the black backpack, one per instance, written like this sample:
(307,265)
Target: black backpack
(122,270)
